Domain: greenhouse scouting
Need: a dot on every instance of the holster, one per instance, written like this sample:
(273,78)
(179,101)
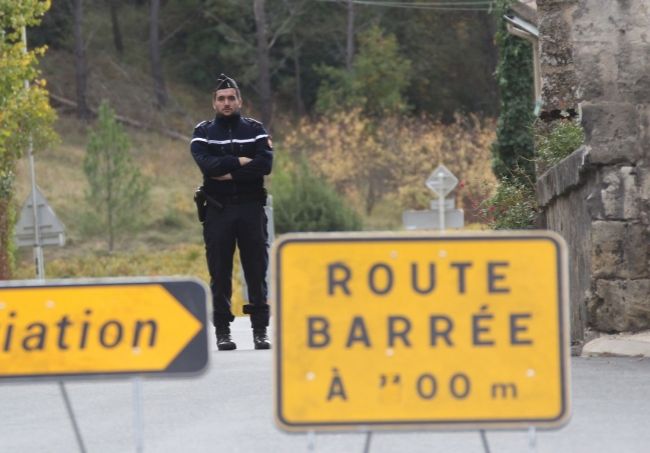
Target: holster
(201,204)
(202,201)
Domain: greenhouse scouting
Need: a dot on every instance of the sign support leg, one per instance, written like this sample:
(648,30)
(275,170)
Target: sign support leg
(138,418)
(484,441)
(366,446)
(441,212)
(75,427)
(532,439)
(311,441)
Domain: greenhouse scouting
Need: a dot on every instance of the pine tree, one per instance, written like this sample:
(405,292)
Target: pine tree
(117,191)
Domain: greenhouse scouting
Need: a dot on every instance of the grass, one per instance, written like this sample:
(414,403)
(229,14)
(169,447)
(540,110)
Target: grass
(169,243)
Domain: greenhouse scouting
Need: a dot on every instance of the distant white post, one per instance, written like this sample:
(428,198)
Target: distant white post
(38,250)
(441,182)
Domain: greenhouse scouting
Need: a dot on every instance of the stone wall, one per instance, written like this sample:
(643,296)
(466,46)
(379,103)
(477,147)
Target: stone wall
(563,191)
(599,198)
(556,55)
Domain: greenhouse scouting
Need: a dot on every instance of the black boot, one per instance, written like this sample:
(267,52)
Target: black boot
(260,338)
(224,342)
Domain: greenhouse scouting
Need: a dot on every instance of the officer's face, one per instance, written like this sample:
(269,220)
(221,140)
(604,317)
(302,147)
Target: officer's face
(226,102)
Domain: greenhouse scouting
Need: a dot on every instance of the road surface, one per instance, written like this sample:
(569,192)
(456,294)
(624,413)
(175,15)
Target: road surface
(229,409)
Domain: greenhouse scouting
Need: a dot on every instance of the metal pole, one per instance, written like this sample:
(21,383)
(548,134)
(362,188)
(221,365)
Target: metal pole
(38,250)
(138,418)
(68,406)
(40,265)
(311,441)
(532,439)
(484,441)
(441,212)
(366,447)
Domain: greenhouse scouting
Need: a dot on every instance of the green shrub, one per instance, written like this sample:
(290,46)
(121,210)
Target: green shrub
(563,138)
(303,202)
(513,206)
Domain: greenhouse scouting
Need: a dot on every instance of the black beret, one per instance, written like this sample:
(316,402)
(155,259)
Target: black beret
(223,82)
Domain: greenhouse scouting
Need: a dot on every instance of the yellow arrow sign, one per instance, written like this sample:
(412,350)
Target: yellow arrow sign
(404,330)
(102,327)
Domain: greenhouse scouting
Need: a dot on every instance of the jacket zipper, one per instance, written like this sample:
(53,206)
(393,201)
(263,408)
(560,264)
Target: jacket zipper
(232,151)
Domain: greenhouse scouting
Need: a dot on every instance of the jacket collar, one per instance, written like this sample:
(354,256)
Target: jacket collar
(228,121)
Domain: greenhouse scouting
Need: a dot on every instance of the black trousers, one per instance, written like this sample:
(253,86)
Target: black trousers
(244,225)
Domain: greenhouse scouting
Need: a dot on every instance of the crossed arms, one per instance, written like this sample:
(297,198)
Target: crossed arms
(226,167)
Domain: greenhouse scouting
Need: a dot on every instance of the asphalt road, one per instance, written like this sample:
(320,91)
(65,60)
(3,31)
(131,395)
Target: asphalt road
(229,409)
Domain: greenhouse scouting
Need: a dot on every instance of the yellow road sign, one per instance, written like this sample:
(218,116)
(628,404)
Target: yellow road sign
(405,330)
(104,326)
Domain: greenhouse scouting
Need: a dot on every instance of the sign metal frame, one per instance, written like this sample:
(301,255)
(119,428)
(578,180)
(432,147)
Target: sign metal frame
(419,424)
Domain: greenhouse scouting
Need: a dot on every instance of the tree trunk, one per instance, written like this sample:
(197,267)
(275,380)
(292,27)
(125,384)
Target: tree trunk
(349,48)
(300,105)
(371,197)
(263,62)
(81,70)
(113,5)
(154,53)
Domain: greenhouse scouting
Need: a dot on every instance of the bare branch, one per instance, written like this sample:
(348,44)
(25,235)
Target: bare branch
(294,13)
(235,37)
(179,28)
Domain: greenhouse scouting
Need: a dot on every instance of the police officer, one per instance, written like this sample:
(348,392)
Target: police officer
(234,154)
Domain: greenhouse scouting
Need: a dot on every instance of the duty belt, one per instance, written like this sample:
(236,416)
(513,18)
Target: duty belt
(241,198)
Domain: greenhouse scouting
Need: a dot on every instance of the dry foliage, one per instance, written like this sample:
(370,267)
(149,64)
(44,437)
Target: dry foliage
(389,159)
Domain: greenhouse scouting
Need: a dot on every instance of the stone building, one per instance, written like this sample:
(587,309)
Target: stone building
(595,64)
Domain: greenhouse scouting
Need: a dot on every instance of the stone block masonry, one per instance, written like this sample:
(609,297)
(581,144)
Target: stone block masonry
(599,197)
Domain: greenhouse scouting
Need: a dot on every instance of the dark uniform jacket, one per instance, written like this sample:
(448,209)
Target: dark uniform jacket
(216,146)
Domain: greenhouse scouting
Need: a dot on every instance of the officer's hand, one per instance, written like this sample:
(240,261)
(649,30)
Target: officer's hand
(223,178)
(244,160)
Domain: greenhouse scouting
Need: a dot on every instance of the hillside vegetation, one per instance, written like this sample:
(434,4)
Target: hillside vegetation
(168,221)
(372,155)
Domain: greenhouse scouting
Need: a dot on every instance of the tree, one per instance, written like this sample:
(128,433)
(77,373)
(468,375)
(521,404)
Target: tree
(154,53)
(453,60)
(117,191)
(376,83)
(113,6)
(513,149)
(263,62)
(25,114)
(349,45)
(81,68)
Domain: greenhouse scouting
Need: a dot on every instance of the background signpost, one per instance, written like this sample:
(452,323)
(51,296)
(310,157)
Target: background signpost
(442,215)
(383,331)
(441,182)
(50,229)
